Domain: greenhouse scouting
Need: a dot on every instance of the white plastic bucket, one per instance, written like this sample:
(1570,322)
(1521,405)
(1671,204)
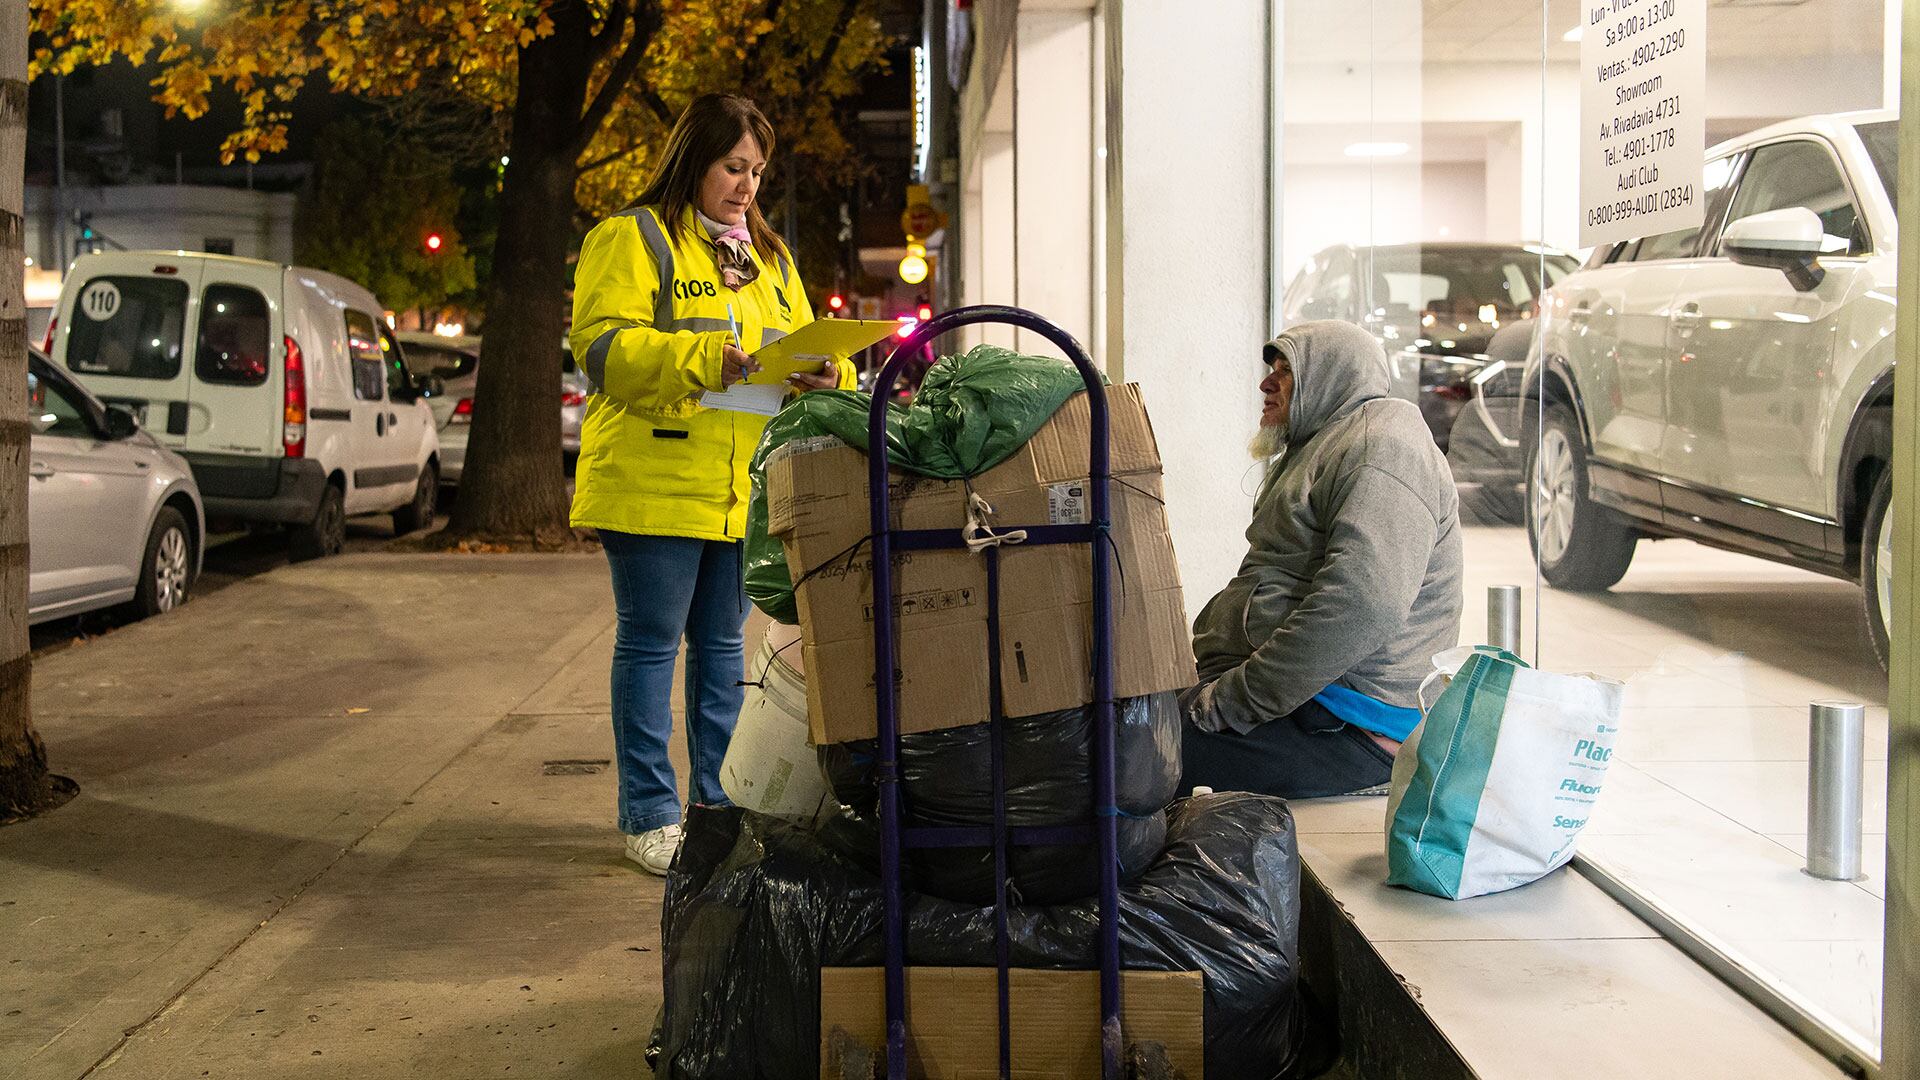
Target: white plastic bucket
(769,765)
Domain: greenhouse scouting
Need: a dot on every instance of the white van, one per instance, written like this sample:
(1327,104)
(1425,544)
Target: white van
(279,384)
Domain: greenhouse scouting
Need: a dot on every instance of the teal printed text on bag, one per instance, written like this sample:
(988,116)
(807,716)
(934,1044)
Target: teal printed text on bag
(1433,821)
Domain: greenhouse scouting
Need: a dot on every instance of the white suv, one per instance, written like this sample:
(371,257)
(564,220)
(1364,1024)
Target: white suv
(1732,384)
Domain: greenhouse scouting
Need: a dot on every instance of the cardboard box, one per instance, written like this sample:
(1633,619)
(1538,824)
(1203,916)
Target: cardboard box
(817,505)
(953,1027)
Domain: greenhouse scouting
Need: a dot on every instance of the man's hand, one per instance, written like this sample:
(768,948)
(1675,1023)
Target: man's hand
(825,380)
(735,365)
(1199,709)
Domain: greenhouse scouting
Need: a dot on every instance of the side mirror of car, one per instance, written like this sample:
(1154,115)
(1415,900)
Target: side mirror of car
(418,387)
(121,423)
(1785,240)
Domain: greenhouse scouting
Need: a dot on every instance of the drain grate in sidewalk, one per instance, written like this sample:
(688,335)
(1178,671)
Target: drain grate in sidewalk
(575,766)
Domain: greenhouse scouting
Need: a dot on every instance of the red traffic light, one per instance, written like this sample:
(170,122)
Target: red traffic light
(926,312)
(836,302)
(433,241)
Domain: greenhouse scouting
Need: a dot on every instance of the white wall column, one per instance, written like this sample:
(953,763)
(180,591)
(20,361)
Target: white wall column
(1186,266)
(964,239)
(1505,178)
(1053,132)
(994,232)
(1890,51)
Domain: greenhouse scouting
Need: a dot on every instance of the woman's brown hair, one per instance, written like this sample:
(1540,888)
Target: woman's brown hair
(706,132)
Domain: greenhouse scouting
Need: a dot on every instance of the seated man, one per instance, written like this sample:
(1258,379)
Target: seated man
(1311,658)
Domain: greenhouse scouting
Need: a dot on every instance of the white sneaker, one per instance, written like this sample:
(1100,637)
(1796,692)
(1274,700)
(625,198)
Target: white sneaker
(654,849)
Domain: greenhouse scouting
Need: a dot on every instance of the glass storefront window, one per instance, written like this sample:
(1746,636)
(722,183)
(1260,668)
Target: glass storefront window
(1698,520)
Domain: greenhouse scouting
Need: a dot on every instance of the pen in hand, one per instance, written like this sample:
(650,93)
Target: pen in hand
(735,365)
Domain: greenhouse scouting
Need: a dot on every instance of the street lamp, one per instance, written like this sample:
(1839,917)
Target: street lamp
(913,268)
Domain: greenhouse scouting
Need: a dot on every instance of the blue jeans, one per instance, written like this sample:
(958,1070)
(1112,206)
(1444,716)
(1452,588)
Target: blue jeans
(666,588)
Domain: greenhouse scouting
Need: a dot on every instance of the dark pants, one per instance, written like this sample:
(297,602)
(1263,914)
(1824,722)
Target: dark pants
(1306,754)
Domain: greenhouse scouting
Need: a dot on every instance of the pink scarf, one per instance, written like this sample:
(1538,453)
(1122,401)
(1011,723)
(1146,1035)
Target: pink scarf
(733,251)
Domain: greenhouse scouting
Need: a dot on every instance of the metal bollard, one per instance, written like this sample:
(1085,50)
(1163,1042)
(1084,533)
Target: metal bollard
(1503,617)
(1836,747)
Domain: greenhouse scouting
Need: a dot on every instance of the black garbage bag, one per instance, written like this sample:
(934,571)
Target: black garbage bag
(1043,874)
(755,907)
(948,774)
(947,779)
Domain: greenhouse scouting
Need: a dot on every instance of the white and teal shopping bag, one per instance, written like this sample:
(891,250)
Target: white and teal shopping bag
(1493,787)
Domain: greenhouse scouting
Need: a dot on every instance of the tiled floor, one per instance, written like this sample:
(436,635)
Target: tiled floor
(1704,808)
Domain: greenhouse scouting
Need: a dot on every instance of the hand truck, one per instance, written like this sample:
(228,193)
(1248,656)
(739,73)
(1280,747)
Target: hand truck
(895,837)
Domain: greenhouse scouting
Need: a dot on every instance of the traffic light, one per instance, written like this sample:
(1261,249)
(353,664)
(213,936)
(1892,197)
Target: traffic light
(433,243)
(836,303)
(926,312)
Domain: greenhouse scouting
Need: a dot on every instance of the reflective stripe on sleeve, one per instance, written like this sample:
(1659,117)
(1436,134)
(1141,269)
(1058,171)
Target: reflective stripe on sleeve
(595,362)
(697,325)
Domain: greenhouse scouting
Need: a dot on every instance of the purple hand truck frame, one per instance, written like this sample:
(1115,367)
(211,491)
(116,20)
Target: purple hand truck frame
(894,836)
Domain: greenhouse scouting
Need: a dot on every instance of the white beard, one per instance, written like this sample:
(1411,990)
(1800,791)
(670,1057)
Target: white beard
(1268,442)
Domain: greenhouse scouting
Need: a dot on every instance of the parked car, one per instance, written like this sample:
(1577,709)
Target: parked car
(113,517)
(1733,383)
(280,385)
(1433,306)
(456,362)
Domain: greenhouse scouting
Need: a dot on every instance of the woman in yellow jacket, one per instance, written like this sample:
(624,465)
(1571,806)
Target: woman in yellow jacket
(659,292)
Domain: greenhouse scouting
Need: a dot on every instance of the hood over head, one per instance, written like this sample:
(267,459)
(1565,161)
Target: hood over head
(1337,366)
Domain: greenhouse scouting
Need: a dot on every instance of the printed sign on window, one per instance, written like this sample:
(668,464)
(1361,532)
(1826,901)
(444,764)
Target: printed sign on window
(1643,133)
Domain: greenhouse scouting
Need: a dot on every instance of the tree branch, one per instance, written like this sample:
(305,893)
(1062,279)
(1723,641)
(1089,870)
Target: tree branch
(818,69)
(608,159)
(655,104)
(610,29)
(646,22)
(752,65)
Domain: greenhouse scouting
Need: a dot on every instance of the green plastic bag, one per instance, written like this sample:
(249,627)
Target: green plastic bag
(972,413)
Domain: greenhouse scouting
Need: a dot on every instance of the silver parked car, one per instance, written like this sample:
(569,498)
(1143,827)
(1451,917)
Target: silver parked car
(113,517)
(456,361)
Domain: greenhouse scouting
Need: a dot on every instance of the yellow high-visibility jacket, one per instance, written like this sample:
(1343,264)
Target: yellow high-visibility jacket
(649,321)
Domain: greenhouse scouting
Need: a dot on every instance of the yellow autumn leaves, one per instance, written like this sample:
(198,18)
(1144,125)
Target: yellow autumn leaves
(266,50)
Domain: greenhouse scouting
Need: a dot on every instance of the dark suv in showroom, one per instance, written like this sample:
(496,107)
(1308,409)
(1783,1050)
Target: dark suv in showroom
(1434,306)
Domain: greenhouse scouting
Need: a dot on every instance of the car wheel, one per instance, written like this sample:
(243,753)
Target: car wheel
(1876,567)
(326,534)
(418,514)
(166,574)
(1581,545)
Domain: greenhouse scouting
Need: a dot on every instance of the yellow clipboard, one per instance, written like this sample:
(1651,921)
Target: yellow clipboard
(808,349)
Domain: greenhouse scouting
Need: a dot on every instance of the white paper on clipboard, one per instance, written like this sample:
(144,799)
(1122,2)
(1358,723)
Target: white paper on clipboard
(747,398)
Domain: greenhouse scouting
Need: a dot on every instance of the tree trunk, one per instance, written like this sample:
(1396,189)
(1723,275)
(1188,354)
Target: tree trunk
(512,485)
(25,786)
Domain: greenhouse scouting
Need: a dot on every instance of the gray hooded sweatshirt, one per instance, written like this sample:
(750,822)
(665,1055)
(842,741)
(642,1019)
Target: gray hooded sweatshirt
(1352,574)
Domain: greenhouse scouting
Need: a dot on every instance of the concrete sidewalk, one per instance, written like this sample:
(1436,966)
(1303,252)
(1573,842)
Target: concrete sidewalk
(320,834)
